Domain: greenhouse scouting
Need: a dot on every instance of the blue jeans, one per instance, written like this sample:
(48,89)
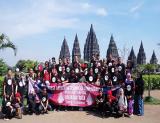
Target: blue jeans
(139,105)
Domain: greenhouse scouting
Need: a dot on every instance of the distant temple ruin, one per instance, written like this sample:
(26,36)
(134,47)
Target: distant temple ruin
(91,47)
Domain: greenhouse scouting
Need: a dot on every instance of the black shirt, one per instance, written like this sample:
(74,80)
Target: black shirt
(43,97)
(21,86)
(139,87)
(9,83)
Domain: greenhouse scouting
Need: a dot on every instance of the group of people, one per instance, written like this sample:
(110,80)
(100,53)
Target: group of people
(119,92)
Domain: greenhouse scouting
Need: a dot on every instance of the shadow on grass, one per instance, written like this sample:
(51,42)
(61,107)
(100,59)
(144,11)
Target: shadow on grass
(151,100)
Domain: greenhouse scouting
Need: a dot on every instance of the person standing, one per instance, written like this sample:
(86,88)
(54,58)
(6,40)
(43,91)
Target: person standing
(138,100)
(8,84)
(129,93)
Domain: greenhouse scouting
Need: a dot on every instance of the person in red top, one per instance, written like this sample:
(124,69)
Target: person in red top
(111,103)
(46,73)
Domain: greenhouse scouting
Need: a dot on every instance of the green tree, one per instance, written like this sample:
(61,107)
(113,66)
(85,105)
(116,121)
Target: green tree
(24,65)
(148,69)
(6,43)
(3,67)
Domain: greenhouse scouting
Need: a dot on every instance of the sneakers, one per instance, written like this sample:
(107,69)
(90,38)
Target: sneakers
(131,115)
(80,109)
(6,119)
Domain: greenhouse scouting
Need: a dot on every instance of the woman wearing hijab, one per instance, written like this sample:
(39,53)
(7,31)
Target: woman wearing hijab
(139,89)
(129,93)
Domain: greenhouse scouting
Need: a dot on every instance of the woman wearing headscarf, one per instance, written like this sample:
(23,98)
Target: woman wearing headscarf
(138,98)
(129,93)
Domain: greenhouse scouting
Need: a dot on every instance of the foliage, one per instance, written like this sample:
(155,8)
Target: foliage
(154,79)
(1,81)
(24,65)
(6,43)
(3,67)
(151,101)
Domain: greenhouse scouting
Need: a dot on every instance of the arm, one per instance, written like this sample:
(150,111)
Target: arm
(4,87)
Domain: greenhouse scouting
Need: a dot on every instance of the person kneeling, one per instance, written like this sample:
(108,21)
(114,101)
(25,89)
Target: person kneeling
(100,102)
(44,103)
(111,103)
(122,102)
(7,109)
(17,104)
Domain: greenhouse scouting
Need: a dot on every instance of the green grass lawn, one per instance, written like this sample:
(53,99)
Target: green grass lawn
(151,101)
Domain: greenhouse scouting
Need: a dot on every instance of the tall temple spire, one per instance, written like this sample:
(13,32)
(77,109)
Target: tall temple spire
(64,53)
(112,48)
(132,57)
(76,49)
(91,46)
(153,59)
(141,57)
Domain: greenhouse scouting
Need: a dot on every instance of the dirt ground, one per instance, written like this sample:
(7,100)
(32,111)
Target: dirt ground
(152,115)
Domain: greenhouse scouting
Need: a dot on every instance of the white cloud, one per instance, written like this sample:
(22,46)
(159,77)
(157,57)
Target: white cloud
(136,7)
(101,11)
(86,5)
(40,16)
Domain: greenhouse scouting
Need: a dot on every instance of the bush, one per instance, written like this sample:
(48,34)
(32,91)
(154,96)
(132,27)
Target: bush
(154,79)
(1,81)
(3,67)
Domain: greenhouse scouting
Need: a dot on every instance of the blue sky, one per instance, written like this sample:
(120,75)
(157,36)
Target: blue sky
(38,27)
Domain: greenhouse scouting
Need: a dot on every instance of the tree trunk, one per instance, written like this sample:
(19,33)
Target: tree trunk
(149,86)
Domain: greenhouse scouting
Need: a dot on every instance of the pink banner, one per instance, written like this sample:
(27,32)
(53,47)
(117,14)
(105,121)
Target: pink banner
(74,94)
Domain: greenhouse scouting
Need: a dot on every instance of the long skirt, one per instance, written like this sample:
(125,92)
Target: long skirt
(130,106)
(138,105)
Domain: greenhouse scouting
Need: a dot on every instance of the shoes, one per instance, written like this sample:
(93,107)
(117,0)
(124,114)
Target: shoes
(6,119)
(131,115)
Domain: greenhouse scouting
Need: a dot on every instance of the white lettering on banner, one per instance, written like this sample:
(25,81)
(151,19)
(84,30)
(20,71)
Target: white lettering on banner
(75,97)
(76,87)
(75,92)
(75,102)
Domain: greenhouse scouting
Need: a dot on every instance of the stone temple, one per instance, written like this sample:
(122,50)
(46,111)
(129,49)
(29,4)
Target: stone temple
(76,49)
(91,48)
(64,53)
(112,49)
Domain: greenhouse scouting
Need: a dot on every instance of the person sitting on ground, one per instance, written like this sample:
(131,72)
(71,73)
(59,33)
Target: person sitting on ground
(111,103)
(7,108)
(100,102)
(44,103)
(122,102)
(17,104)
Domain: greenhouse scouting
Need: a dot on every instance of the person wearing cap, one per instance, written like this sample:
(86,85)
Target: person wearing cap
(53,62)
(129,93)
